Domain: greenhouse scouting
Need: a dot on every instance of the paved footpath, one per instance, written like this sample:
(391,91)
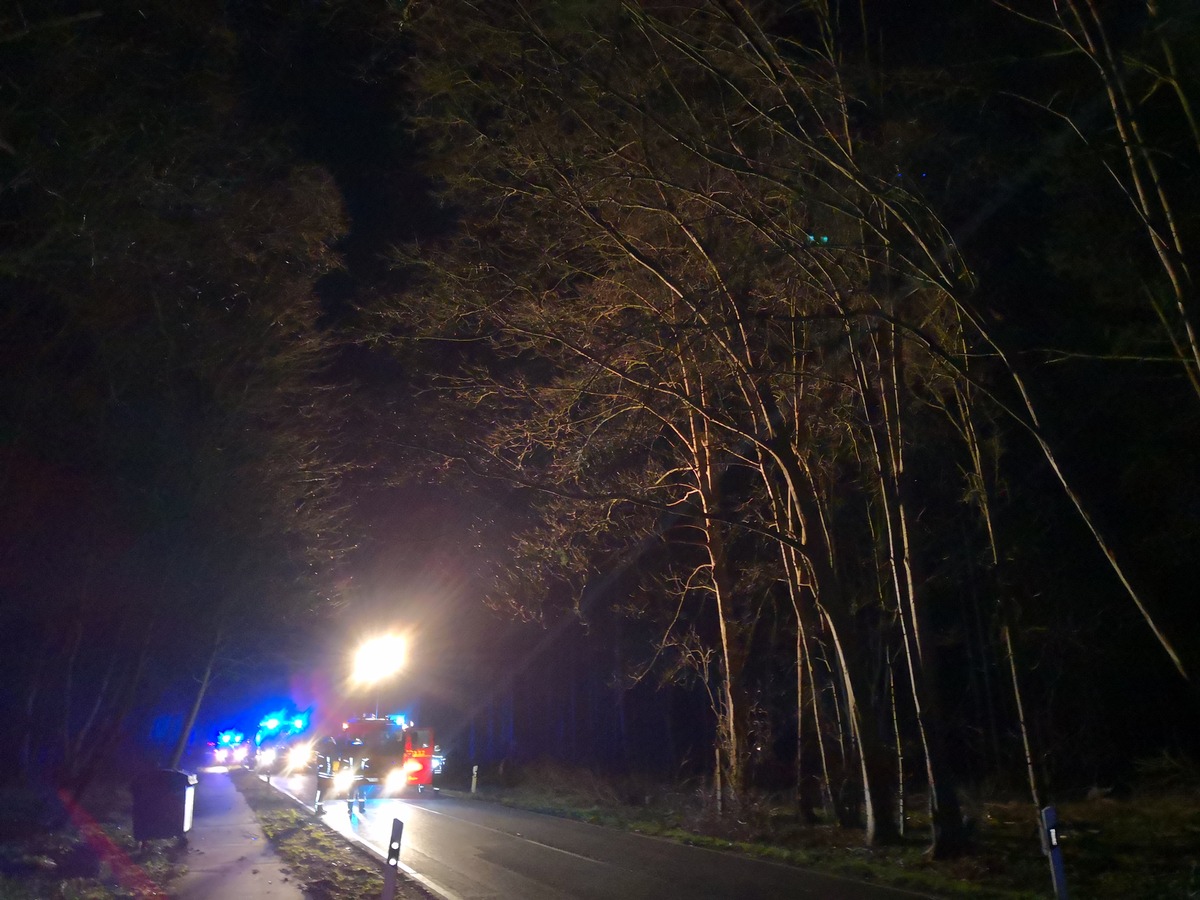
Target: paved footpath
(229,857)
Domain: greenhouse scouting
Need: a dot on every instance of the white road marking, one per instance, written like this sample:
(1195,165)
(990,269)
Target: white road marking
(429,885)
(438,812)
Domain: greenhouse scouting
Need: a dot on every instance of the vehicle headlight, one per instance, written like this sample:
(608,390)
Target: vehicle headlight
(395,780)
(413,766)
(239,754)
(266,757)
(221,755)
(344,780)
(299,756)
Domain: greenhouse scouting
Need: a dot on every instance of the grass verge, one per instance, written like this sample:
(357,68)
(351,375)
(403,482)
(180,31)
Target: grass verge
(52,848)
(1146,845)
(323,862)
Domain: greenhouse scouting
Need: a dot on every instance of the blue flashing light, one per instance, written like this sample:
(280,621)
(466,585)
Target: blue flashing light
(272,722)
(281,722)
(229,737)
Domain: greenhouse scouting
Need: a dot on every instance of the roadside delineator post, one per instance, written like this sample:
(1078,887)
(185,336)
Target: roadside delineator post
(1050,846)
(474,778)
(393,860)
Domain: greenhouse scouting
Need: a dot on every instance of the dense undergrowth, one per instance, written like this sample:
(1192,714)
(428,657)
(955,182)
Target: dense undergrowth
(1144,843)
(54,849)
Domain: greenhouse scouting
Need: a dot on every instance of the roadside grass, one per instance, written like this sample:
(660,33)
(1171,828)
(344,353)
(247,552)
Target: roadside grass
(1144,846)
(325,864)
(50,850)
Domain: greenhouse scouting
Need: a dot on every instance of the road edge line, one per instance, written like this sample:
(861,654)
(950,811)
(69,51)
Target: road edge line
(428,884)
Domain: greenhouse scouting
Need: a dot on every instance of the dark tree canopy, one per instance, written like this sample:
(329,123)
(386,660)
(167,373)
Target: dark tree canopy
(171,434)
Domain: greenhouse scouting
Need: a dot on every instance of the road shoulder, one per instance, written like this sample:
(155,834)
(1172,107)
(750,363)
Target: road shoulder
(323,861)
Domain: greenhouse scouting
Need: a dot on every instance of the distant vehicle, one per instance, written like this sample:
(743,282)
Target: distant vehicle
(281,745)
(284,757)
(382,756)
(231,749)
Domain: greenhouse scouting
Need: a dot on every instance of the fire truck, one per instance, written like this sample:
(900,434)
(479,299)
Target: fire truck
(381,756)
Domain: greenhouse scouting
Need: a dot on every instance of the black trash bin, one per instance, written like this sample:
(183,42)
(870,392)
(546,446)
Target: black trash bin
(162,804)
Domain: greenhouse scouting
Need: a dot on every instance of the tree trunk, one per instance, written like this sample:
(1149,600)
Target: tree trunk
(983,495)
(185,732)
(949,831)
(900,789)
(1034,793)
(825,588)
(112,726)
(880,396)
(75,761)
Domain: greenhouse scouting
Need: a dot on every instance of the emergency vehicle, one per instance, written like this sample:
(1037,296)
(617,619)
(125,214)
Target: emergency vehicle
(383,756)
(231,749)
(280,742)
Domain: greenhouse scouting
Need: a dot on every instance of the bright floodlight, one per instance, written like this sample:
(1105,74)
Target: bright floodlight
(379,658)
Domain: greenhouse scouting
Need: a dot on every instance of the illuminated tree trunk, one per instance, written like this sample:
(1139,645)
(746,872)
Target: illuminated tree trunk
(731,713)
(873,766)
(900,786)
(792,565)
(881,397)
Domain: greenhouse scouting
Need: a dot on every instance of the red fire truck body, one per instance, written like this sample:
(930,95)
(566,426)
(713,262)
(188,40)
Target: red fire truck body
(377,755)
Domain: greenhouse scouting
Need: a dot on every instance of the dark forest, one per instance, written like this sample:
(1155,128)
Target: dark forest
(806,395)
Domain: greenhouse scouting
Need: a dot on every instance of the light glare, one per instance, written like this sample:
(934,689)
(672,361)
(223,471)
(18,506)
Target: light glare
(379,658)
(299,756)
(344,780)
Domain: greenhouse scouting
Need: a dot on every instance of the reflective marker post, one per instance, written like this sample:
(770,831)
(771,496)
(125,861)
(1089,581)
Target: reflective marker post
(393,860)
(474,778)
(1058,873)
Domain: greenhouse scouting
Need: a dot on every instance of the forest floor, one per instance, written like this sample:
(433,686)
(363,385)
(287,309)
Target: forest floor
(1144,844)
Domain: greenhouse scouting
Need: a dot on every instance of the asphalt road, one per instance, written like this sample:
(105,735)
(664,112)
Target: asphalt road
(468,850)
